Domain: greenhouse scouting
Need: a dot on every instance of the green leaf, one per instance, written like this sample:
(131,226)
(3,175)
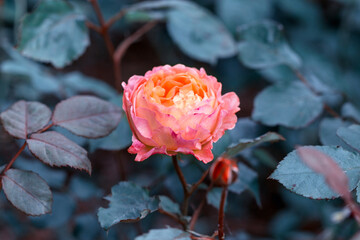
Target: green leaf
(168,205)
(247,143)
(165,234)
(262,44)
(199,34)
(54,33)
(87,116)
(297,177)
(247,180)
(56,150)
(27,191)
(350,135)
(23,118)
(291,105)
(128,203)
(327,132)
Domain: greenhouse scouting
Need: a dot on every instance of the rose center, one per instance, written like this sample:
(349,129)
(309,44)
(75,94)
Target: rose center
(186,100)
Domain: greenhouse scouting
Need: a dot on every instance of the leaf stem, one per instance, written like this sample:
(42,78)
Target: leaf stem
(175,217)
(222,213)
(14,158)
(196,185)
(46,128)
(123,46)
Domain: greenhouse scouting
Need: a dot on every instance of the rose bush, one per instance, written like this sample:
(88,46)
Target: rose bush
(177,109)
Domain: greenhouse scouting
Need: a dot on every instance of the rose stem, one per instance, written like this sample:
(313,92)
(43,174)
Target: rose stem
(14,158)
(198,210)
(306,83)
(103,27)
(123,46)
(222,213)
(185,205)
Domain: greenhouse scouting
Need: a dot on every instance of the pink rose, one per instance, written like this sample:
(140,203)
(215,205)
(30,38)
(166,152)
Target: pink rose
(177,109)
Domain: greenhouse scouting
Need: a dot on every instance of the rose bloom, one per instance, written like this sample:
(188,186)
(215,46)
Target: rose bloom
(177,109)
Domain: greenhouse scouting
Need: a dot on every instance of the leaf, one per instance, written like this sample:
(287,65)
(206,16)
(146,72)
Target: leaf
(23,118)
(262,44)
(199,34)
(76,83)
(234,13)
(327,132)
(327,167)
(87,116)
(351,135)
(168,205)
(291,105)
(54,33)
(247,180)
(299,178)
(165,234)
(119,139)
(56,150)
(247,143)
(348,110)
(214,197)
(128,203)
(27,191)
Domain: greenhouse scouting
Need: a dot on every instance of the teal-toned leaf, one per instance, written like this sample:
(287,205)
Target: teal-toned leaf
(297,177)
(23,118)
(56,150)
(27,191)
(87,116)
(234,13)
(199,34)
(247,180)
(75,83)
(247,143)
(165,234)
(168,205)
(62,210)
(214,197)
(327,132)
(290,105)
(350,135)
(54,33)
(262,44)
(128,203)
(119,139)
(324,165)
(348,110)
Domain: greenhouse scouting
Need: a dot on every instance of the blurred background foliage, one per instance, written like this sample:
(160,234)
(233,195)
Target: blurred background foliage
(318,38)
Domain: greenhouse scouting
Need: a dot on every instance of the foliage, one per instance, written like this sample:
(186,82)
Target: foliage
(294,64)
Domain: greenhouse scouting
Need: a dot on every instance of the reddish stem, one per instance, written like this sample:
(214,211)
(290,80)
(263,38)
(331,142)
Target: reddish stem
(46,128)
(196,185)
(124,45)
(103,27)
(14,158)
(198,210)
(222,213)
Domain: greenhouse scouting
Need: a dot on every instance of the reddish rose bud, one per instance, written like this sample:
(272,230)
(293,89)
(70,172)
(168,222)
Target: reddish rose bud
(224,171)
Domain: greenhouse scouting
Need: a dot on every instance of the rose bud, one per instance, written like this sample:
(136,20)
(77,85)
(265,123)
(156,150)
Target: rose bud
(223,172)
(177,109)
